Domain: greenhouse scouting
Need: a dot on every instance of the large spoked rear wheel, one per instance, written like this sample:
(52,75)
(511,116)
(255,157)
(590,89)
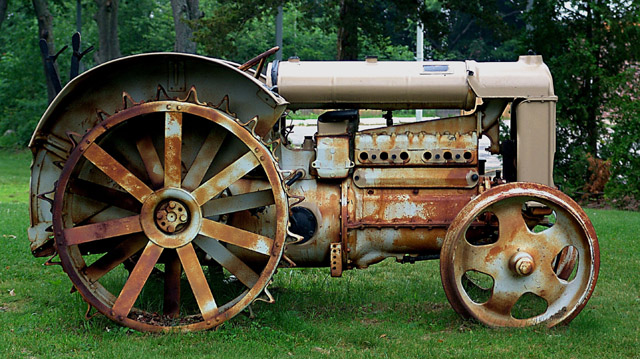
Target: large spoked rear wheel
(143,217)
(520,254)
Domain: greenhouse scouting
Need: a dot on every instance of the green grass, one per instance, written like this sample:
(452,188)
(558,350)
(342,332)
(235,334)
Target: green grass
(388,310)
(14,176)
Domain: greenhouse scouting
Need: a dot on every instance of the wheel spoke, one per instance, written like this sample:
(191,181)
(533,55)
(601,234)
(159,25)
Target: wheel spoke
(198,281)
(238,203)
(483,259)
(137,279)
(151,161)
(228,260)
(114,170)
(511,222)
(173,149)
(565,232)
(102,230)
(225,178)
(115,257)
(203,160)
(110,196)
(502,299)
(172,274)
(236,236)
(547,284)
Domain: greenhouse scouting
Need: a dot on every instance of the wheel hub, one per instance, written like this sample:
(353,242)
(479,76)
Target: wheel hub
(171,216)
(522,264)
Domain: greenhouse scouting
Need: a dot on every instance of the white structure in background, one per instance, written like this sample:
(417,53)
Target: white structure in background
(419,56)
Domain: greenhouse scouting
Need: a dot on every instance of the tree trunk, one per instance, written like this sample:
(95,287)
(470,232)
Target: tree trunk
(3,10)
(348,45)
(45,32)
(107,19)
(184,11)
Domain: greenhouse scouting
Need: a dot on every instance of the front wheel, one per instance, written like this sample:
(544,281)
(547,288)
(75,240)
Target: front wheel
(498,269)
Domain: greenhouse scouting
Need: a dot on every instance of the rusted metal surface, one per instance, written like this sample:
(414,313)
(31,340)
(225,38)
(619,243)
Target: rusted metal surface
(259,60)
(215,185)
(206,154)
(336,260)
(168,222)
(416,149)
(248,240)
(332,157)
(322,199)
(112,168)
(460,177)
(228,260)
(404,208)
(115,257)
(199,285)
(102,230)
(173,148)
(172,275)
(386,222)
(151,161)
(136,281)
(521,261)
(148,77)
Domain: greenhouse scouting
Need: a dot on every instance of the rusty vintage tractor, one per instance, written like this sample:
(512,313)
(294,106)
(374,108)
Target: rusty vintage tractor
(168,188)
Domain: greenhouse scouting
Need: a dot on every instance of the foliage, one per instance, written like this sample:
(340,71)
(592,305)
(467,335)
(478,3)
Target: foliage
(145,26)
(19,65)
(623,139)
(586,44)
(224,22)
(299,32)
(481,30)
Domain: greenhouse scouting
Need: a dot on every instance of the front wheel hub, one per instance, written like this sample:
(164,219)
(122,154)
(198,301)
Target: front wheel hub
(522,264)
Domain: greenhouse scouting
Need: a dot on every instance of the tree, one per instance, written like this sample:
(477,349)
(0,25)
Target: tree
(587,45)
(145,26)
(623,140)
(45,32)
(3,11)
(363,26)
(482,30)
(217,31)
(106,18)
(359,26)
(23,90)
(184,13)
(347,44)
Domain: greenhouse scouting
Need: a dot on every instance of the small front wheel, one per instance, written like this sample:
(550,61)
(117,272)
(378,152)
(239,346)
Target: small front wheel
(501,270)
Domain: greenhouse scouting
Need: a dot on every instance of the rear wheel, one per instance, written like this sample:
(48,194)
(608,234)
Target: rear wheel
(143,217)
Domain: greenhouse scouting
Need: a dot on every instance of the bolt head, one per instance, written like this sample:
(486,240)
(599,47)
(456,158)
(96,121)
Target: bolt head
(522,264)
(524,267)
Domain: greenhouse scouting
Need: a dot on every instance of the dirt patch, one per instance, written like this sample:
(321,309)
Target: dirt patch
(626,203)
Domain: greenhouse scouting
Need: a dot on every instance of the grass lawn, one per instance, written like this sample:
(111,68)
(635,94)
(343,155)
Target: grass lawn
(388,310)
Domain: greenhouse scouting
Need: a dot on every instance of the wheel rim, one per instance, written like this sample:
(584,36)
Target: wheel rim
(520,262)
(115,204)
